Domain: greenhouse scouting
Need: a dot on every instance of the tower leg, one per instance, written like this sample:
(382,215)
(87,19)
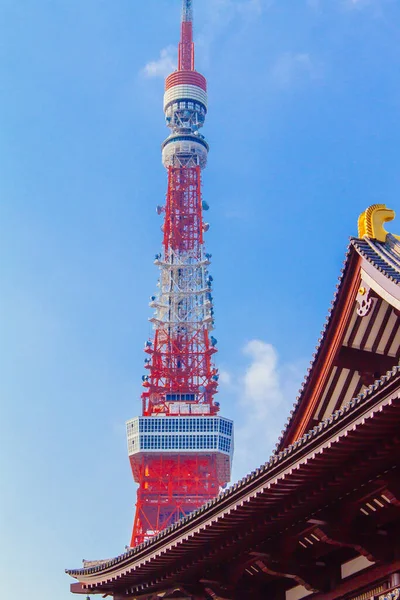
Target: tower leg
(171,487)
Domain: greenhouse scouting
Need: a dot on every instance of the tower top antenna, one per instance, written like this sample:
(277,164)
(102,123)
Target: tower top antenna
(186,46)
(187,11)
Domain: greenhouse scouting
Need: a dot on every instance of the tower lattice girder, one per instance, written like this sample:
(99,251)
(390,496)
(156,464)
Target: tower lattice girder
(180,449)
(172,486)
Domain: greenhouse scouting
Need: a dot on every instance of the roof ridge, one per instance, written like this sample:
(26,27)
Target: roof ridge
(384,251)
(391,266)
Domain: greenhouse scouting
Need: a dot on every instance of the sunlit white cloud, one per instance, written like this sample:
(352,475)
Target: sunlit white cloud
(264,392)
(225,377)
(164,65)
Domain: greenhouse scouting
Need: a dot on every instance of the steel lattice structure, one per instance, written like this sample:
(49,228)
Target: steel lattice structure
(180,449)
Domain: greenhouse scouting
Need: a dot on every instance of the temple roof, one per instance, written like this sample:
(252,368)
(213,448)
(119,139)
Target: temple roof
(172,540)
(372,267)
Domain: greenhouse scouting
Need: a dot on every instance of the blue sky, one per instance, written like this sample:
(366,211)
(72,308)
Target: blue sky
(304,129)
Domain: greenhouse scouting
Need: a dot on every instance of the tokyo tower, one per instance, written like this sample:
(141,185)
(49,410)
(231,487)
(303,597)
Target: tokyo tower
(180,449)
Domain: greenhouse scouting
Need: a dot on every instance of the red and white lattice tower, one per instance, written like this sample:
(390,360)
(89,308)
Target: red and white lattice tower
(180,449)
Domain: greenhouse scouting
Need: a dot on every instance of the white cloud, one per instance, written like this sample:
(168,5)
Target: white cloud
(291,68)
(265,393)
(261,379)
(225,377)
(164,65)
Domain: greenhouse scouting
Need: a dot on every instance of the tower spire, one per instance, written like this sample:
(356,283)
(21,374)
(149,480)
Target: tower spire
(186,46)
(187,10)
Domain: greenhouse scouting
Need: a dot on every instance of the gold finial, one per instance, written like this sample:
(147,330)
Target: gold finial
(370,222)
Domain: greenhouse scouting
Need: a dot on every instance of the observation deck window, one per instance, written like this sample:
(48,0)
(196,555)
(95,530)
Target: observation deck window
(195,424)
(179,442)
(225,427)
(224,444)
(180,397)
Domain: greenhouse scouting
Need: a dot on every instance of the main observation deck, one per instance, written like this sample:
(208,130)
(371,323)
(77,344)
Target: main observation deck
(208,435)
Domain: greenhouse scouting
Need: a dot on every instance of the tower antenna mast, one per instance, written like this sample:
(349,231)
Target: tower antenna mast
(186,45)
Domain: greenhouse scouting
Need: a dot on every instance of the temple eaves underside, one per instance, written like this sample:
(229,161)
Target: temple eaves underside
(270,529)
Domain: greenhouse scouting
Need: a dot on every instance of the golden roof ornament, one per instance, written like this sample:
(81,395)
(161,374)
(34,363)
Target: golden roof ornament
(370,222)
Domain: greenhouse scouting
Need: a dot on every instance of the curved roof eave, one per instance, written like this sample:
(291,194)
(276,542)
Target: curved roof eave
(137,558)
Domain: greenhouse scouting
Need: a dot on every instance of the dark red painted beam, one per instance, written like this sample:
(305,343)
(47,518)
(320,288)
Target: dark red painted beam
(77,588)
(364,362)
(353,584)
